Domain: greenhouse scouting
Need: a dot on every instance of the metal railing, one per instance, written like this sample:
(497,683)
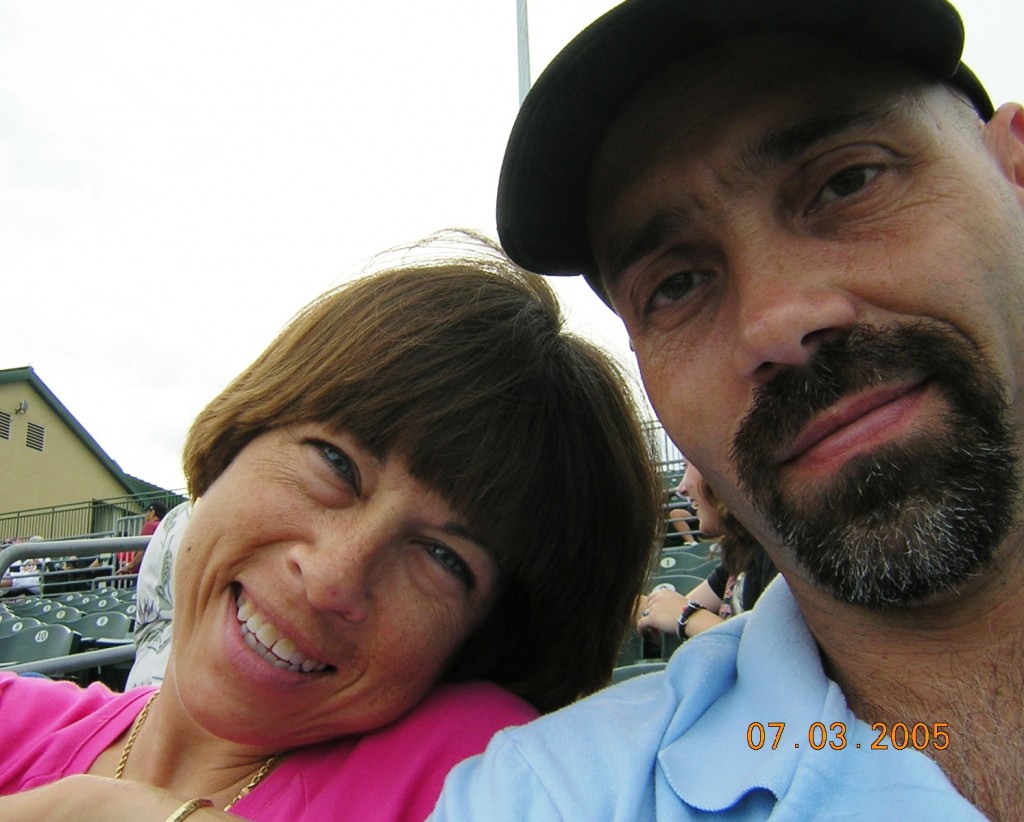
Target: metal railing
(114,516)
(667,456)
(72,549)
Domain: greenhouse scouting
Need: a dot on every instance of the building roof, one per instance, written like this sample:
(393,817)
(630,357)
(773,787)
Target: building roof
(27,374)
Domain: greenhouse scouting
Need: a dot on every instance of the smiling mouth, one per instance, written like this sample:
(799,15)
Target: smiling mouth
(264,638)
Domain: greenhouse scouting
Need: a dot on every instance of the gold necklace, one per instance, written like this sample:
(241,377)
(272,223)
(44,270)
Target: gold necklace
(257,777)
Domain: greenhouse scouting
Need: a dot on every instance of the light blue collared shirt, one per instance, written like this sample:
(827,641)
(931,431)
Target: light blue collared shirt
(675,745)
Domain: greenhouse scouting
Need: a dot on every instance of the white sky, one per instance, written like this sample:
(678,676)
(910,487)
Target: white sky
(178,178)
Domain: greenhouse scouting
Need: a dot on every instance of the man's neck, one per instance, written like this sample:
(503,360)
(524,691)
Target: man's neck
(957,660)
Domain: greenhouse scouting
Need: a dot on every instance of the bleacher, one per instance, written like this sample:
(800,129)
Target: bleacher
(682,564)
(80,625)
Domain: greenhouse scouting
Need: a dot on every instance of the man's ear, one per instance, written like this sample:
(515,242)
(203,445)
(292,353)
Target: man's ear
(1004,139)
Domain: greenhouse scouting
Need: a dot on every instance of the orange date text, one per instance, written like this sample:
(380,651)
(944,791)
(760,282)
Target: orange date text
(818,735)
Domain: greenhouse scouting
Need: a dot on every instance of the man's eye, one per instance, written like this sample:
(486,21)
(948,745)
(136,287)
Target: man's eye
(451,562)
(846,183)
(677,287)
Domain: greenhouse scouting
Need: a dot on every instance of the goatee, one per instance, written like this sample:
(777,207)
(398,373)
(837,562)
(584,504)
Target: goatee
(905,521)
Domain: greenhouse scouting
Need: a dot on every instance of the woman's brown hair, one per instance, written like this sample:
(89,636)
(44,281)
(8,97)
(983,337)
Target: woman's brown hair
(460,365)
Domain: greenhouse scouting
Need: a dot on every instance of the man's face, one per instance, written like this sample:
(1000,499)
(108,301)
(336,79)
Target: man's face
(834,248)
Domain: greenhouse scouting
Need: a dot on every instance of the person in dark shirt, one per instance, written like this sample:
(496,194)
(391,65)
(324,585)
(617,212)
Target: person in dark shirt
(735,584)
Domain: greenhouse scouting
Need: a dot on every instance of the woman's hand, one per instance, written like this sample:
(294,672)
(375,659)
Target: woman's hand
(86,798)
(660,611)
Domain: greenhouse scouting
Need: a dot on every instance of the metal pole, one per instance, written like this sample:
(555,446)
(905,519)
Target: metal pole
(523,31)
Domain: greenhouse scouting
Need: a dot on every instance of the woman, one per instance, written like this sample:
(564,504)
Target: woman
(423,480)
(734,585)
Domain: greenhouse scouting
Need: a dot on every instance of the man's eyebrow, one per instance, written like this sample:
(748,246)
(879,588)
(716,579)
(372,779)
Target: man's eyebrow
(775,148)
(766,152)
(651,235)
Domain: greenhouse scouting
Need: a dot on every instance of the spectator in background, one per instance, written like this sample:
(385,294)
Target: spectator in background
(733,587)
(680,521)
(152,517)
(24,578)
(129,561)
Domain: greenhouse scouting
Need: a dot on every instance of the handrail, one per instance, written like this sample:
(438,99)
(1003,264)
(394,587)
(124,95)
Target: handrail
(48,549)
(77,662)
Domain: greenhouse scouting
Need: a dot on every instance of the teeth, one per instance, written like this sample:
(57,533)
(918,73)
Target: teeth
(269,644)
(284,648)
(267,633)
(245,610)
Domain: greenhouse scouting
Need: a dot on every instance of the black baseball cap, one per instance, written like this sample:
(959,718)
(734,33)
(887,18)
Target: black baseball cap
(542,191)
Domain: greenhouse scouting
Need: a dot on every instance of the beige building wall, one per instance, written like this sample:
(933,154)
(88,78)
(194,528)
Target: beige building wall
(64,471)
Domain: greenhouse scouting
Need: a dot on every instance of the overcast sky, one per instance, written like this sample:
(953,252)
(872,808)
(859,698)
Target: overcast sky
(178,178)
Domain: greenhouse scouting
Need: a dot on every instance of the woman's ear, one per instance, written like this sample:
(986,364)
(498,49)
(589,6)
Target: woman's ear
(1004,139)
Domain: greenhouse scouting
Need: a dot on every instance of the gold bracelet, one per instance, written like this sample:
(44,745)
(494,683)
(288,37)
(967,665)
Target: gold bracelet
(189,808)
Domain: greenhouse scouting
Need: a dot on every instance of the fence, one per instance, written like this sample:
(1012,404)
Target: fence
(669,458)
(116,516)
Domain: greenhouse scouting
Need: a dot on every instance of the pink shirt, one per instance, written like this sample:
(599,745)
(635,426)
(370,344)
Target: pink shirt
(55,729)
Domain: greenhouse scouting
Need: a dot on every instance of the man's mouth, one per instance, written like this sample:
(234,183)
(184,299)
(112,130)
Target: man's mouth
(855,423)
(267,641)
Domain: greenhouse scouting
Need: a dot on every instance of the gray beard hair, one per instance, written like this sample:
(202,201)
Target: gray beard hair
(906,521)
(915,549)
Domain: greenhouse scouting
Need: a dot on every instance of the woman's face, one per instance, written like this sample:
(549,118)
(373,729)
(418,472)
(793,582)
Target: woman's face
(319,592)
(692,486)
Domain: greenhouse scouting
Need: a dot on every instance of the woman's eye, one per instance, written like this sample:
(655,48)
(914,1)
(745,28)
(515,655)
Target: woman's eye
(339,463)
(677,287)
(846,183)
(451,562)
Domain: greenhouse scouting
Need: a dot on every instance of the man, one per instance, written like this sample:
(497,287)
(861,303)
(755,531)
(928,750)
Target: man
(814,202)
(129,561)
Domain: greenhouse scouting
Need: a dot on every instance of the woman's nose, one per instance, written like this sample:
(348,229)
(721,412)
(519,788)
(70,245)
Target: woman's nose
(342,570)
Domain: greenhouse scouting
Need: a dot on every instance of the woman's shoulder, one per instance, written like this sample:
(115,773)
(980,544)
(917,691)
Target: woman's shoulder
(55,704)
(54,728)
(477,707)
(35,692)
(452,722)
(393,773)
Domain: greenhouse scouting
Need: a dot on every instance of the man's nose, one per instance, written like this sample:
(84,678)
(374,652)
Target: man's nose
(786,308)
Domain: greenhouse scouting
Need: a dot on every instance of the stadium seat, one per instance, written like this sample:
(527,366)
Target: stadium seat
(24,606)
(14,626)
(107,602)
(37,643)
(126,607)
(63,614)
(676,561)
(102,625)
(680,583)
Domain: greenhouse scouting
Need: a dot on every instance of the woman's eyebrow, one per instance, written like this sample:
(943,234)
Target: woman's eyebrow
(457,529)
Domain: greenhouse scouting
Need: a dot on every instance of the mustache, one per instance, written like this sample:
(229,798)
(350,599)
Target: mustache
(865,357)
